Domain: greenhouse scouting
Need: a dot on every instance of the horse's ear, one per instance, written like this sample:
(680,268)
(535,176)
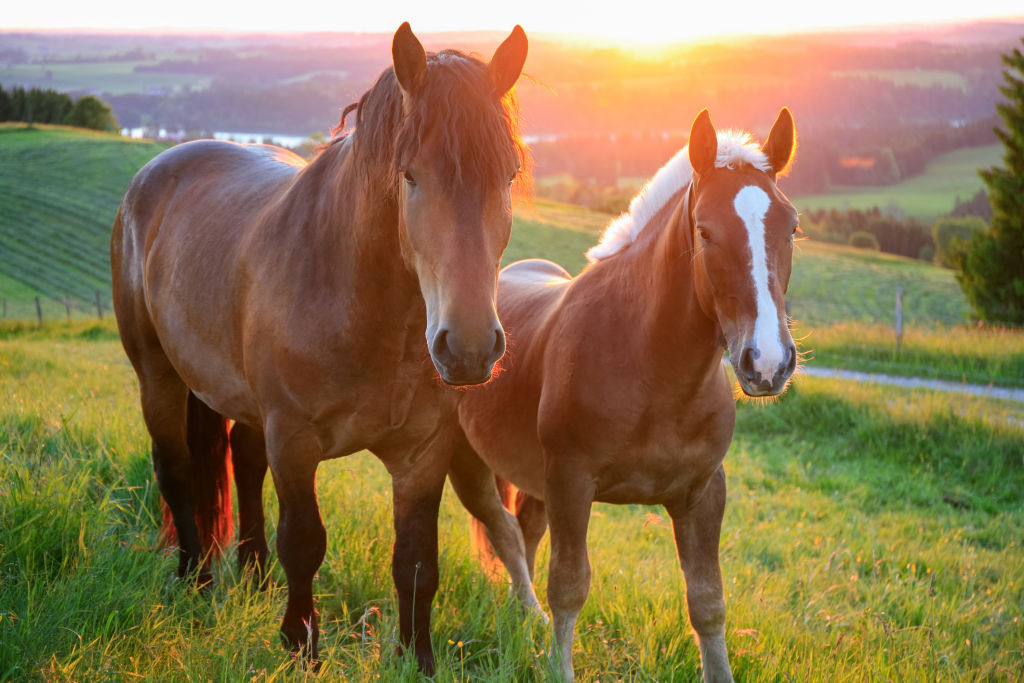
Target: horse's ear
(703,143)
(507,62)
(410,59)
(781,143)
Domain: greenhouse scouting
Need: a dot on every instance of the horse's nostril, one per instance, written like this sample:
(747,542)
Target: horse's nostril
(790,359)
(499,344)
(439,348)
(747,358)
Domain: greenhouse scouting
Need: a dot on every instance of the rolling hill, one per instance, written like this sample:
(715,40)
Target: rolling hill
(926,196)
(60,188)
(59,192)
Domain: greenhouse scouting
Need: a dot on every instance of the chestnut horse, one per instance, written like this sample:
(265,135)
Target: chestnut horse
(614,388)
(311,304)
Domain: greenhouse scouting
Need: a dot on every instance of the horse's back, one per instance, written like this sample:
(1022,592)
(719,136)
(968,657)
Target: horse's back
(177,253)
(533,270)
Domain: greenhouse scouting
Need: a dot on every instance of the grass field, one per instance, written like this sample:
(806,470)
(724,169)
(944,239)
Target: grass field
(59,192)
(926,196)
(871,534)
(106,77)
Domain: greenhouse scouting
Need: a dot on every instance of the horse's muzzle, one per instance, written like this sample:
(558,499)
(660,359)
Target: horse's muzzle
(461,361)
(756,380)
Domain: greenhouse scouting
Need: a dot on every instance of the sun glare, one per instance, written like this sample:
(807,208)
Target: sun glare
(641,24)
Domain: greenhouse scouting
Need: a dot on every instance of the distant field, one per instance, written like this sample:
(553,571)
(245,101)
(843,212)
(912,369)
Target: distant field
(921,78)
(59,192)
(830,283)
(926,196)
(105,77)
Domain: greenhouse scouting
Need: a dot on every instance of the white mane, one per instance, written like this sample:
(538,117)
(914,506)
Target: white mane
(733,147)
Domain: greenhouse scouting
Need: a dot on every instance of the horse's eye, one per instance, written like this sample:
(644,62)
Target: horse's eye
(512,178)
(703,233)
(408,177)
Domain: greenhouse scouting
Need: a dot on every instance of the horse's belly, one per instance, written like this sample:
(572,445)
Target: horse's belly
(208,366)
(515,455)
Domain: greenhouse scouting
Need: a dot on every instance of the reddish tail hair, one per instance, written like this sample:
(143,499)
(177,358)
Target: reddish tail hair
(512,498)
(210,451)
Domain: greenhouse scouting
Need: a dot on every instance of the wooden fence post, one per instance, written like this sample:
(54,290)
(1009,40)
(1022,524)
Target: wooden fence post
(99,305)
(899,318)
(39,311)
(67,305)
(5,308)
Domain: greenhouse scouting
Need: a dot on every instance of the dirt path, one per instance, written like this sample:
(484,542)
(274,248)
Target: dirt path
(935,384)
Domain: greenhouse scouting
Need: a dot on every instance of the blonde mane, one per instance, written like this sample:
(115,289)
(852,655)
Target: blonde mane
(734,147)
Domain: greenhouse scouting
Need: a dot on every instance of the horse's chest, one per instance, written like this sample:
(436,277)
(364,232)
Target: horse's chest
(665,463)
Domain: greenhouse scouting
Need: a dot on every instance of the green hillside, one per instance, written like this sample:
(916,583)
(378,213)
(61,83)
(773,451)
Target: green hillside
(830,283)
(60,188)
(59,192)
(926,196)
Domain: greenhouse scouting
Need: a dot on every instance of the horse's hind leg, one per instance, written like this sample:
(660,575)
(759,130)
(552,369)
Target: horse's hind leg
(249,458)
(697,530)
(533,520)
(474,483)
(165,410)
(294,452)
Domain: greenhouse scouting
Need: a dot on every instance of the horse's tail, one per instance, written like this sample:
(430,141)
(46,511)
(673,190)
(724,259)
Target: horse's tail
(209,453)
(512,499)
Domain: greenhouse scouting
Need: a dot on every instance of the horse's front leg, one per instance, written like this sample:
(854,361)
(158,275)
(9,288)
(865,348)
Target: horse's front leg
(293,454)
(569,494)
(697,530)
(474,483)
(418,476)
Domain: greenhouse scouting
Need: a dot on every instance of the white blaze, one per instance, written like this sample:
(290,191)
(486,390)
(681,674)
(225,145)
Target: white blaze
(751,205)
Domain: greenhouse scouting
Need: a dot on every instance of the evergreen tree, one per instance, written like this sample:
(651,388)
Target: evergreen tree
(91,112)
(991,265)
(5,105)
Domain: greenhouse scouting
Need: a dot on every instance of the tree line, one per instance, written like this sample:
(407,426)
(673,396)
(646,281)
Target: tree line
(50,106)
(873,229)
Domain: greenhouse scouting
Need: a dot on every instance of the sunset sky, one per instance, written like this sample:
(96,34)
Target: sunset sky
(631,21)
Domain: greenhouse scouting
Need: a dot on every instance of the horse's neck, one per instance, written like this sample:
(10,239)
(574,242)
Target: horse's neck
(346,210)
(659,264)
(350,229)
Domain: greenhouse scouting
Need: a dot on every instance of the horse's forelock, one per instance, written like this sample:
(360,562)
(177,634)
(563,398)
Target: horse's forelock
(478,132)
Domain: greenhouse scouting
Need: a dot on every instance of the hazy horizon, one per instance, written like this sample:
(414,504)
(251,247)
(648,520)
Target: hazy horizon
(645,24)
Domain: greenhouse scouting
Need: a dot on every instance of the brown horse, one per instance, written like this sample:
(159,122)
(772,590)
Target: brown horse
(312,303)
(614,389)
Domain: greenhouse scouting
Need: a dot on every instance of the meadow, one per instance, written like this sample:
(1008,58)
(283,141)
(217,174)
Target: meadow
(871,534)
(926,196)
(60,188)
(115,77)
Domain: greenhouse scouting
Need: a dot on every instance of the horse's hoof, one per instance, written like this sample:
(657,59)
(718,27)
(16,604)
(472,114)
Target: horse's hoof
(426,665)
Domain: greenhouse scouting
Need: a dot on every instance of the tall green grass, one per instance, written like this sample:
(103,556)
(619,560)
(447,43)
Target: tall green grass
(975,355)
(871,534)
